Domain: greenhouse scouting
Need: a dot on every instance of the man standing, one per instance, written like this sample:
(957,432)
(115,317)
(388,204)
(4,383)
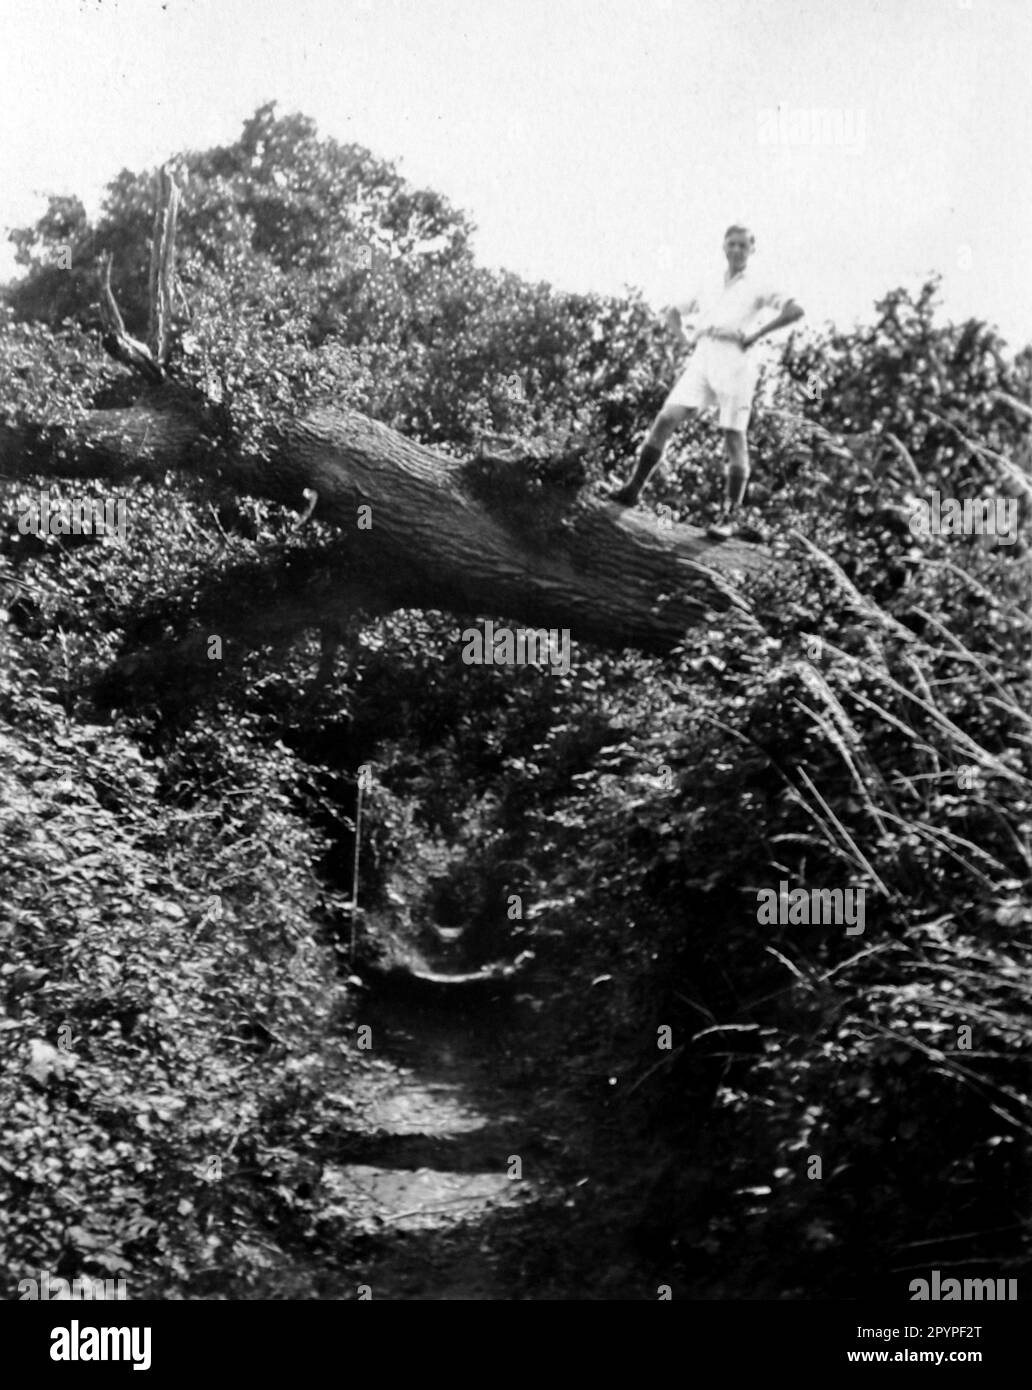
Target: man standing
(720,372)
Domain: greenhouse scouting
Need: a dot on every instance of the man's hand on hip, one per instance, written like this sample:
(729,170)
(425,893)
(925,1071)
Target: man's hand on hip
(732,335)
(675,327)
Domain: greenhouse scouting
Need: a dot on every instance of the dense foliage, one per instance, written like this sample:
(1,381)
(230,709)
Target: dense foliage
(176,858)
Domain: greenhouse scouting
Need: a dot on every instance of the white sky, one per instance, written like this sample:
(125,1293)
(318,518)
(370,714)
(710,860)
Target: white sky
(595,143)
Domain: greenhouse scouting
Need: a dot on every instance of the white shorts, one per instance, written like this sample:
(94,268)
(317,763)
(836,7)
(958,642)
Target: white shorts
(721,374)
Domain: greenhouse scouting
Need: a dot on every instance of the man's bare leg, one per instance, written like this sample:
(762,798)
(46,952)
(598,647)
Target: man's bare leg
(663,427)
(736,480)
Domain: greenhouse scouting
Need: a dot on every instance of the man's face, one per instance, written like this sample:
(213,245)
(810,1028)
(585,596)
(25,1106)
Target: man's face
(737,248)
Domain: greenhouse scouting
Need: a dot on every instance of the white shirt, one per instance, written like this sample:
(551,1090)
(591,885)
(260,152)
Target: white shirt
(732,307)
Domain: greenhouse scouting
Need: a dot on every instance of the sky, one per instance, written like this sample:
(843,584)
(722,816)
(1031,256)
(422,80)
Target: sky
(595,144)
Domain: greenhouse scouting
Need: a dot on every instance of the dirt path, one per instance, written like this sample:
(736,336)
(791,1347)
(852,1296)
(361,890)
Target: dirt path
(426,1172)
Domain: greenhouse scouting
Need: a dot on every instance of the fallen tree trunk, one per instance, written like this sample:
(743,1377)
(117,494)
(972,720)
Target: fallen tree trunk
(433,536)
(498,535)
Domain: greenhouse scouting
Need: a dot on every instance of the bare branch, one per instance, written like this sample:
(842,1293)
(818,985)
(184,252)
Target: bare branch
(129,351)
(162,287)
(109,308)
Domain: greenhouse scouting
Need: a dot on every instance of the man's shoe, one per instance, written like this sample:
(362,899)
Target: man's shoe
(721,529)
(625,496)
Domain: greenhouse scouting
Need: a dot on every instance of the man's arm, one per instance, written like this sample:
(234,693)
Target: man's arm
(674,320)
(790,312)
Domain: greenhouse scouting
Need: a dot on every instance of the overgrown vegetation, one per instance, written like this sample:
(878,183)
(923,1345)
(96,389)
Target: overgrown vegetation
(176,855)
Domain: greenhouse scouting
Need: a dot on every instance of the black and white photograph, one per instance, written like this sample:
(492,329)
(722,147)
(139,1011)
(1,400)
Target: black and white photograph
(515,720)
